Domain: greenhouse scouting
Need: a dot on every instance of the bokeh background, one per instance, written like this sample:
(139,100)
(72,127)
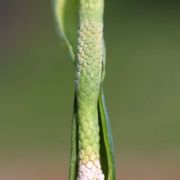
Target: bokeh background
(142,88)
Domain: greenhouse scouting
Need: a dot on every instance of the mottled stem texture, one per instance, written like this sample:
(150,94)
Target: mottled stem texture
(89,64)
(80,24)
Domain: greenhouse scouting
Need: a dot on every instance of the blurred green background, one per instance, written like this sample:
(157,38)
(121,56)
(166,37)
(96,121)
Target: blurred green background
(142,84)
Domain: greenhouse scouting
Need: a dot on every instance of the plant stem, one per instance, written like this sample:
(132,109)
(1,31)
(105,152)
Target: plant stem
(88,81)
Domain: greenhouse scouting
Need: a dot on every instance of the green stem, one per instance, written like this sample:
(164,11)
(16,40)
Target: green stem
(88,81)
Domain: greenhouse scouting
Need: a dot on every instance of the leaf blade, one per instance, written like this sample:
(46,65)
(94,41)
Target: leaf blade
(74,143)
(107,136)
(66,15)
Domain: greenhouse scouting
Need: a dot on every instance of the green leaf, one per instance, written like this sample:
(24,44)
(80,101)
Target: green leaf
(66,14)
(106,143)
(74,144)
